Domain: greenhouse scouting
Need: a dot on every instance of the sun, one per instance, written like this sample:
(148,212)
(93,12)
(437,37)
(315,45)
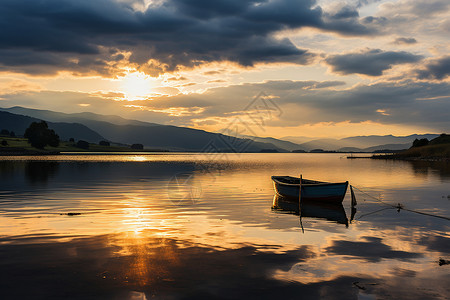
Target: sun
(136,85)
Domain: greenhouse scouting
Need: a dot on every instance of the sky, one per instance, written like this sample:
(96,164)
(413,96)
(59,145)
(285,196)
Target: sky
(277,67)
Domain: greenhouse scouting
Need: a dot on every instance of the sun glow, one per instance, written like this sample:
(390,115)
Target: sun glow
(137,85)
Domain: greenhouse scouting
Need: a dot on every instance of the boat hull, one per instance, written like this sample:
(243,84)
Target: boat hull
(286,186)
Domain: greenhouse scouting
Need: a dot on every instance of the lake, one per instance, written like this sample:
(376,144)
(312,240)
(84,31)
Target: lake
(205,226)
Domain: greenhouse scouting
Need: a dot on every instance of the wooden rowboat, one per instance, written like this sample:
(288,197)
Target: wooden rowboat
(312,190)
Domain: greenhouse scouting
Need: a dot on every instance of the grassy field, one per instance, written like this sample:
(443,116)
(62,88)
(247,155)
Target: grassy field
(427,152)
(63,146)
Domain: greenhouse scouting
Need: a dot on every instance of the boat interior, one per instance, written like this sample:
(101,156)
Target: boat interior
(295,180)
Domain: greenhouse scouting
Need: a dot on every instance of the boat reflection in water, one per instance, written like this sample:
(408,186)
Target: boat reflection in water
(331,212)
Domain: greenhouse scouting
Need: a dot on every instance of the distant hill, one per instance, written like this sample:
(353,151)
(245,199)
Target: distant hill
(365,143)
(289,146)
(350,149)
(277,142)
(325,144)
(297,139)
(442,139)
(19,123)
(376,148)
(177,138)
(153,135)
(388,147)
(375,140)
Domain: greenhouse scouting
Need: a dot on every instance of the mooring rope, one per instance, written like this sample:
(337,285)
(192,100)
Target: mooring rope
(373,212)
(400,206)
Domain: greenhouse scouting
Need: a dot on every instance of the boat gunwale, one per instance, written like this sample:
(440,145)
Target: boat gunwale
(319,183)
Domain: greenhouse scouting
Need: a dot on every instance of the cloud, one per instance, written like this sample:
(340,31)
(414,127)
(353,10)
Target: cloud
(216,81)
(214,72)
(346,12)
(189,84)
(361,3)
(181,78)
(344,19)
(369,62)
(405,41)
(435,69)
(327,84)
(414,8)
(312,102)
(17,86)
(425,7)
(98,37)
(423,18)
(405,103)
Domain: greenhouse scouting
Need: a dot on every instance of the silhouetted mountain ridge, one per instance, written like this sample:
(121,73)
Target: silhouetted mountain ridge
(149,134)
(365,143)
(19,123)
(152,135)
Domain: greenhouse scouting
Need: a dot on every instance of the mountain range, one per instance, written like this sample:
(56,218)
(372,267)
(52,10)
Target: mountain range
(124,131)
(362,143)
(350,144)
(19,123)
(93,128)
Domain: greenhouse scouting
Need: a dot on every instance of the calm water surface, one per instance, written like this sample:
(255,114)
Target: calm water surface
(205,226)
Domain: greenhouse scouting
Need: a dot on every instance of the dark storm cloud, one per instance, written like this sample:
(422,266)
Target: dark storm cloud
(435,69)
(32,62)
(371,62)
(346,21)
(290,13)
(173,32)
(351,27)
(346,12)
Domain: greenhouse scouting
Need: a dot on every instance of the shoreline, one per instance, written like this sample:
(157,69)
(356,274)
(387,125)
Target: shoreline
(403,158)
(12,151)
(395,157)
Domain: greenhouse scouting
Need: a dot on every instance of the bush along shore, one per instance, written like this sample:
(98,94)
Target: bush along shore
(438,149)
(18,146)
